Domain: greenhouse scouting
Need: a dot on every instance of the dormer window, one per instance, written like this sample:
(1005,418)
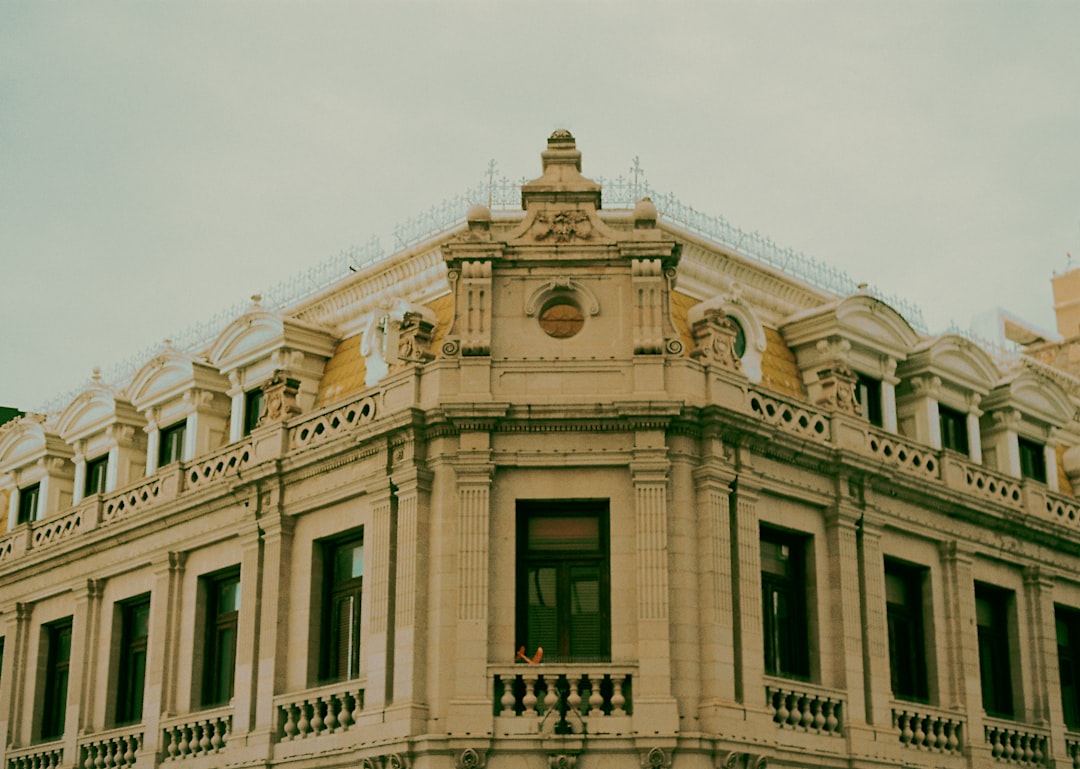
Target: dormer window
(28,503)
(1032,459)
(96,472)
(171,445)
(254,401)
(868,393)
(954,429)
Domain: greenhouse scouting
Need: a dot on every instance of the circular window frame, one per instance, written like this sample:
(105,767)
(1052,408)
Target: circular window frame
(562,327)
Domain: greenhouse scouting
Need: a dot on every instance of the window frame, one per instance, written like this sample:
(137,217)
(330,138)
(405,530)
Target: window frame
(333,590)
(218,686)
(254,405)
(952,426)
(995,651)
(565,560)
(131,662)
(1032,456)
(906,622)
(171,443)
(783,658)
(56,678)
(1068,618)
(868,392)
(29,500)
(97,475)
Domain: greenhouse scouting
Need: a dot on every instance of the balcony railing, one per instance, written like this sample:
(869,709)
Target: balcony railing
(563,699)
(196,735)
(1015,743)
(924,728)
(326,710)
(805,707)
(115,749)
(50,756)
(1072,750)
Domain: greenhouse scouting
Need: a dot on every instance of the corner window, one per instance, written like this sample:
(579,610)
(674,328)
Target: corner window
(131,675)
(1032,460)
(1068,643)
(995,669)
(171,444)
(254,403)
(96,473)
(868,392)
(954,435)
(28,503)
(563,588)
(57,654)
(219,649)
(907,639)
(343,583)
(784,610)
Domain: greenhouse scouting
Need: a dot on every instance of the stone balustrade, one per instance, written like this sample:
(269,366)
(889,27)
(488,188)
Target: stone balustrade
(317,712)
(49,531)
(1015,743)
(1064,510)
(924,728)
(790,416)
(48,756)
(903,454)
(119,504)
(1072,751)
(197,734)
(805,707)
(115,749)
(330,423)
(563,699)
(228,462)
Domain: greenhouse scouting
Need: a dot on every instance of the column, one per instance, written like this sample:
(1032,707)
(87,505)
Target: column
(84,650)
(191,427)
(153,441)
(166,616)
(974,435)
(411,615)
(888,395)
(875,642)
(471,702)
(377,639)
(236,419)
(844,624)
(1042,688)
(112,469)
(277,537)
(16,635)
(13,506)
(80,473)
(247,631)
(712,483)
(1050,461)
(746,577)
(962,689)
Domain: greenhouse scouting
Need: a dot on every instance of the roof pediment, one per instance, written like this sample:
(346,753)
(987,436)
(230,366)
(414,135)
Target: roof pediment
(259,332)
(861,319)
(1035,396)
(169,375)
(26,440)
(953,359)
(92,411)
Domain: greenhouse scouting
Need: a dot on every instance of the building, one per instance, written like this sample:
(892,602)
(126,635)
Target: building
(748,522)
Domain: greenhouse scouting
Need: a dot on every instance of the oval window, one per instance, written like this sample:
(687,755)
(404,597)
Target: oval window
(561,318)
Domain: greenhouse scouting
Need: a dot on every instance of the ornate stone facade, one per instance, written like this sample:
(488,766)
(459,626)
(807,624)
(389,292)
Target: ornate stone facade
(527,498)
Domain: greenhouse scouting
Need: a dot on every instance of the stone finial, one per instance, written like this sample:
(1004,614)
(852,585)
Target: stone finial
(561,181)
(645,214)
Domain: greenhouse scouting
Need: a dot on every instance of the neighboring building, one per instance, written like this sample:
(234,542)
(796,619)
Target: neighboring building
(748,522)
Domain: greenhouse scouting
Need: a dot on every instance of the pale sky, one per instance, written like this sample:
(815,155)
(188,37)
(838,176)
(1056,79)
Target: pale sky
(160,161)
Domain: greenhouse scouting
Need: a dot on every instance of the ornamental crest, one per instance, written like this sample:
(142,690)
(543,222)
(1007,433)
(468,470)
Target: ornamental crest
(563,226)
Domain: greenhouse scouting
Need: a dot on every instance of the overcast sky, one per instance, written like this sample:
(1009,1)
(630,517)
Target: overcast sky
(162,160)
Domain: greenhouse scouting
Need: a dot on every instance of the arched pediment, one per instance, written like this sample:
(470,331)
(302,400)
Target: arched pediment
(92,410)
(169,375)
(247,338)
(1035,396)
(956,360)
(870,320)
(26,440)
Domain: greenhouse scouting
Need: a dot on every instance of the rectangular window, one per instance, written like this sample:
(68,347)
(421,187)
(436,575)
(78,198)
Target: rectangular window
(219,652)
(563,588)
(131,678)
(1068,641)
(343,581)
(868,392)
(57,638)
(1032,460)
(253,409)
(907,640)
(995,670)
(96,471)
(28,503)
(954,434)
(171,444)
(784,610)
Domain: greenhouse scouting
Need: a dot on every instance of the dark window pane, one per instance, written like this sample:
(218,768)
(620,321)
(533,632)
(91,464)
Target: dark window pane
(1068,640)
(907,641)
(868,392)
(96,472)
(1032,460)
(28,503)
(219,658)
(171,446)
(954,433)
(995,672)
(783,600)
(342,601)
(58,656)
(253,409)
(131,682)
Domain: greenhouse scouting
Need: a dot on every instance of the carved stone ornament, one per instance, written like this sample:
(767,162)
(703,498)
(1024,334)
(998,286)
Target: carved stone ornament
(562,761)
(562,226)
(714,340)
(838,389)
(657,758)
(471,758)
(737,760)
(279,396)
